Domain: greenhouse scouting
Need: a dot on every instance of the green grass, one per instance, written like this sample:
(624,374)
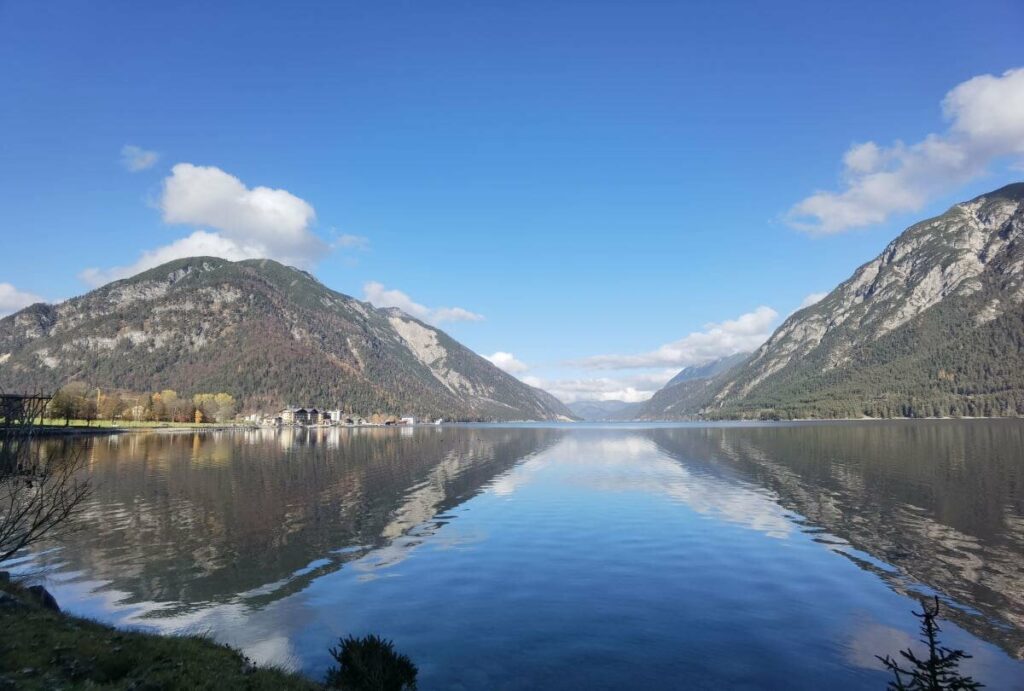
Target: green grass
(41,649)
(133,424)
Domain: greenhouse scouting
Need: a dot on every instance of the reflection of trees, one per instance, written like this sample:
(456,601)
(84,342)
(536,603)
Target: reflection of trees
(943,502)
(200,518)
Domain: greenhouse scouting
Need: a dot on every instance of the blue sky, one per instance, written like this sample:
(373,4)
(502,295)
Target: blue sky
(590,187)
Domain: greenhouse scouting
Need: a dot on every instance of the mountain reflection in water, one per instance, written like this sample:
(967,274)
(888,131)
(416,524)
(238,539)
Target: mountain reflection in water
(192,520)
(941,501)
(579,556)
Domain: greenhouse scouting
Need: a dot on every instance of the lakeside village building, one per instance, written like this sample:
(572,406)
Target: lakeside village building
(308,417)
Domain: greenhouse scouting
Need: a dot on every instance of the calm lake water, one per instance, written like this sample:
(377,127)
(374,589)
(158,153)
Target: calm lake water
(575,556)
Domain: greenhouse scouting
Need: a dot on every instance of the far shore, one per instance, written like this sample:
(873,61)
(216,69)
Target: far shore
(51,428)
(79,427)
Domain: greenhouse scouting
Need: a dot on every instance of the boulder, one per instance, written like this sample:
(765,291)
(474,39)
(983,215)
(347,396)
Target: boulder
(42,596)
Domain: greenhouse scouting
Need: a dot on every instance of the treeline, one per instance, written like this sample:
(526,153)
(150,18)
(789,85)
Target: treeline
(81,402)
(981,406)
(942,364)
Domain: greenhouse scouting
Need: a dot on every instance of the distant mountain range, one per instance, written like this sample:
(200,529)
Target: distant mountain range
(268,334)
(603,411)
(933,326)
(684,395)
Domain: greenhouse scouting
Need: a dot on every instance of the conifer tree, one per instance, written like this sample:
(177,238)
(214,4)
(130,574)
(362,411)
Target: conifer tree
(936,672)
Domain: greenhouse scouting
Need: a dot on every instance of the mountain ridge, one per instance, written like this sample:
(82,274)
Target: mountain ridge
(604,411)
(676,400)
(931,327)
(267,333)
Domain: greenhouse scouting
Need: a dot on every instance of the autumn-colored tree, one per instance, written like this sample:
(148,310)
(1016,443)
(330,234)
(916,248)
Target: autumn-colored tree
(111,406)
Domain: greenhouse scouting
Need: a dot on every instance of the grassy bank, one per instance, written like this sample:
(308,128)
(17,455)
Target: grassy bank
(42,649)
(135,424)
(58,427)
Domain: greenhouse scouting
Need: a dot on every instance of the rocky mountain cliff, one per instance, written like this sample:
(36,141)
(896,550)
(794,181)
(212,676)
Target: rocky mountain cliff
(604,411)
(268,334)
(933,326)
(684,394)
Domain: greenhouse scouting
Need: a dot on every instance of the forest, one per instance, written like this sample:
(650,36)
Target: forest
(78,401)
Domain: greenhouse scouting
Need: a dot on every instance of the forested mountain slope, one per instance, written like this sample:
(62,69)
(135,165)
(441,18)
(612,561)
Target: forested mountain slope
(934,326)
(266,333)
(683,396)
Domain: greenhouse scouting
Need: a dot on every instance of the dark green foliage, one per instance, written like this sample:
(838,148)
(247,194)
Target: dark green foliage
(370,664)
(939,365)
(687,392)
(64,405)
(939,671)
(932,327)
(681,400)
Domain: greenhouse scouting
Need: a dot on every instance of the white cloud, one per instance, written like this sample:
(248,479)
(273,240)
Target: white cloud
(453,314)
(254,223)
(864,158)
(507,362)
(12,299)
(271,221)
(350,242)
(379,296)
(632,389)
(135,158)
(812,299)
(740,335)
(986,123)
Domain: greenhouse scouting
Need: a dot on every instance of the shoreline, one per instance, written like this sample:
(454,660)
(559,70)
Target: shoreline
(82,430)
(94,431)
(49,648)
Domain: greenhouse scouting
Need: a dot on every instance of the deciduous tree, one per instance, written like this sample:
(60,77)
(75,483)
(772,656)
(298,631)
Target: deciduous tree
(38,492)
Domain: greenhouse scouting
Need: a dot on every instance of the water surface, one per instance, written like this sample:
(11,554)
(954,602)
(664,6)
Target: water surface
(572,556)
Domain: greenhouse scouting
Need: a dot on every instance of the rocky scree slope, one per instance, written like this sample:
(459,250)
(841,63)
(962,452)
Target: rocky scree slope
(267,333)
(934,326)
(682,397)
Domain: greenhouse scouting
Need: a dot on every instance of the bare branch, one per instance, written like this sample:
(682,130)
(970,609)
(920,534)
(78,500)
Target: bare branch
(41,490)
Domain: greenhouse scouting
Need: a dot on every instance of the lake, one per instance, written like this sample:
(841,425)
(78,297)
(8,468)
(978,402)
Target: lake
(781,556)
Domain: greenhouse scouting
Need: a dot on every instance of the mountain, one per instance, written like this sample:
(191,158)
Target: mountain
(266,333)
(707,370)
(603,411)
(684,393)
(933,326)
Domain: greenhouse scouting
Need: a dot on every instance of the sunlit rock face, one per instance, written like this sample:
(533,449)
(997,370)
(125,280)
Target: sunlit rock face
(269,334)
(930,327)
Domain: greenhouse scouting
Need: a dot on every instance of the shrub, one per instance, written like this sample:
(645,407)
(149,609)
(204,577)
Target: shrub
(370,664)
